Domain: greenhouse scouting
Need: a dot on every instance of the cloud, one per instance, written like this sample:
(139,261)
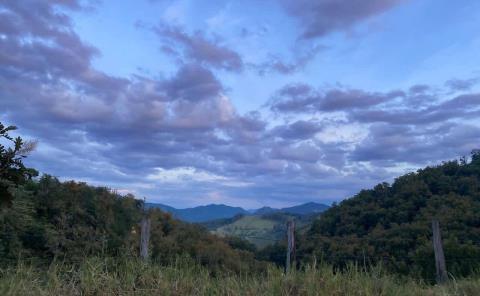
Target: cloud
(276,64)
(304,98)
(390,145)
(459,107)
(306,152)
(198,48)
(321,17)
(192,83)
(297,130)
(182,175)
(461,84)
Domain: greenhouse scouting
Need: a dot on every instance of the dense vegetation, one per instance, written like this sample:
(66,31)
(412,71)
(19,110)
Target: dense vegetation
(392,223)
(12,170)
(70,221)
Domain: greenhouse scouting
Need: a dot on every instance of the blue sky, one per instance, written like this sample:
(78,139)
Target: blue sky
(249,103)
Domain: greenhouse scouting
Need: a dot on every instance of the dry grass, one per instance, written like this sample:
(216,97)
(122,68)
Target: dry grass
(97,276)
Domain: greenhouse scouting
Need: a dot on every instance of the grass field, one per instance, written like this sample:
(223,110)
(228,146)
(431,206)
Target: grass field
(97,276)
(255,229)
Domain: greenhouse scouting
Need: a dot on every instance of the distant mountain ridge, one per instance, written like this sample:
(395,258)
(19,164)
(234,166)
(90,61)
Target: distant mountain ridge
(220,211)
(306,208)
(201,213)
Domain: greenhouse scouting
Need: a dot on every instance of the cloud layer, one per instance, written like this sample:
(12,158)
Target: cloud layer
(179,138)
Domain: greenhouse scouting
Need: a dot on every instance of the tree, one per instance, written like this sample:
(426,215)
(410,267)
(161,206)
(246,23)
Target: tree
(13,172)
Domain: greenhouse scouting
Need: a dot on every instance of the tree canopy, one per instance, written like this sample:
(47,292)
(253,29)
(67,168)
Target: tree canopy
(12,170)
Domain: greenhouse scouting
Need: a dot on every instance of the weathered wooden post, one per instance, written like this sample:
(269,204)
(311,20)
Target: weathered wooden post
(290,245)
(440,265)
(144,234)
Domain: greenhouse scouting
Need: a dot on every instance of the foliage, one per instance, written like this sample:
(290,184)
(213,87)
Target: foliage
(392,223)
(12,170)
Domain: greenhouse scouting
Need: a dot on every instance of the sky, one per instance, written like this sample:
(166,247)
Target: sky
(247,103)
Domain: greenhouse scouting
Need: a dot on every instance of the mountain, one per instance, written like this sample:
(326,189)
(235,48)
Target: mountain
(303,209)
(201,213)
(306,209)
(265,210)
(209,212)
(223,212)
(162,207)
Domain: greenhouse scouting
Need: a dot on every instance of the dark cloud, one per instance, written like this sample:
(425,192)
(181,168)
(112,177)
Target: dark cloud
(389,145)
(304,152)
(198,48)
(419,89)
(192,83)
(297,130)
(461,84)
(460,107)
(321,17)
(421,125)
(303,98)
(49,87)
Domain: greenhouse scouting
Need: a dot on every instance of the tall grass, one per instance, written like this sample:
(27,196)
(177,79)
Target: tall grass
(97,276)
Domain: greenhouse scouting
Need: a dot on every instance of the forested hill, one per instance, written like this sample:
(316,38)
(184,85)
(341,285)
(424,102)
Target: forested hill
(392,223)
(44,220)
(71,221)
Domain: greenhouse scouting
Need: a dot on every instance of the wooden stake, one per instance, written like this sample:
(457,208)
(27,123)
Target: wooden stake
(290,244)
(145,238)
(440,265)
(144,234)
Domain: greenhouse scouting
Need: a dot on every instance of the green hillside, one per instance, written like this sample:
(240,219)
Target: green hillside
(391,224)
(255,229)
(261,230)
(51,220)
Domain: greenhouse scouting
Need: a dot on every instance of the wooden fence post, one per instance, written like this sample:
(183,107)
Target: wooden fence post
(144,234)
(290,245)
(440,265)
(145,238)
